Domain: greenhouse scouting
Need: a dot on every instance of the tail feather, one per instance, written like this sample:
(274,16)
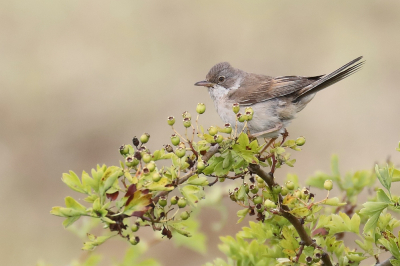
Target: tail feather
(327,80)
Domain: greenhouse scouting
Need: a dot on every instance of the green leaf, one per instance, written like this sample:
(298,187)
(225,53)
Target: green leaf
(227,161)
(72,181)
(370,208)
(243,140)
(384,176)
(300,212)
(382,196)
(241,214)
(192,194)
(70,220)
(180,228)
(161,185)
(371,223)
(72,203)
(140,202)
(198,180)
(288,242)
(391,245)
(96,241)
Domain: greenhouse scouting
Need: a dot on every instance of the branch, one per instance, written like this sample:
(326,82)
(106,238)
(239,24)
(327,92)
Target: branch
(211,152)
(284,211)
(386,262)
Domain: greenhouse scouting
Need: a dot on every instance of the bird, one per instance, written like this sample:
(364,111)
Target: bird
(274,100)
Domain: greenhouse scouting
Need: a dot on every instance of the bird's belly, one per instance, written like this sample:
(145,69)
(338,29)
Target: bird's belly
(265,118)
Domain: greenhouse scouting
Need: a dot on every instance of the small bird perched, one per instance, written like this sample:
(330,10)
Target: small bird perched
(275,101)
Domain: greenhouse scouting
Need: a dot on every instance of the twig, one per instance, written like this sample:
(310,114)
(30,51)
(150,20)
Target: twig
(284,211)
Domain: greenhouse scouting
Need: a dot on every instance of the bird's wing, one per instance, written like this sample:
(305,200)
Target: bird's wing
(262,88)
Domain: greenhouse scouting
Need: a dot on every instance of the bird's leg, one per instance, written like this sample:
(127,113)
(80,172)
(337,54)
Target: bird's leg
(284,136)
(268,144)
(276,128)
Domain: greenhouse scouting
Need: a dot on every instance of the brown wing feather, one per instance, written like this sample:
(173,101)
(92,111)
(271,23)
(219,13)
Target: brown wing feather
(262,88)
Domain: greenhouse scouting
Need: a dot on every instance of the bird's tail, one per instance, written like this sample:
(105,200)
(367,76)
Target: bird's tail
(332,78)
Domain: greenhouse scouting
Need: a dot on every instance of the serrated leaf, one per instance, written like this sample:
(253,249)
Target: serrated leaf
(371,223)
(355,224)
(111,179)
(140,203)
(198,180)
(70,220)
(382,196)
(227,161)
(243,140)
(72,181)
(161,185)
(288,242)
(300,212)
(180,228)
(192,194)
(242,214)
(90,245)
(333,202)
(72,203)
(384,176)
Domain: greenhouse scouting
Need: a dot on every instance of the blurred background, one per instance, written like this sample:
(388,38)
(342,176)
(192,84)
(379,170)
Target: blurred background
(80,78)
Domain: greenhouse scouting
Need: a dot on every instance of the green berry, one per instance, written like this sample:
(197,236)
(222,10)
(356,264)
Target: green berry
(146,157)
(221,179)
(185,215)
(218,138)
(144,138)
(249,110)
(131,161)
(171,120)
(241,118)
(151,166)
(236,108)
(186,114)
(200,108)
(253,189)
(181,203)
(227,129)
(284,191)
(201,165)
(257,199)
(305,193)
(300,141)
(276,189)
(156,176)
(259,179)
(180,152)
(261,185)
(269,204)
(248,116)
(187,122)
(162,201)
(328,185)
(135,227)
(175,140)
(289,185)
(259,208)
(174,200)
(124,149)
(134,240)
(212,130)
(297,194)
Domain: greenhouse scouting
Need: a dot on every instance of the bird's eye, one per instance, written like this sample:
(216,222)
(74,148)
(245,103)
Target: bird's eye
(221,79)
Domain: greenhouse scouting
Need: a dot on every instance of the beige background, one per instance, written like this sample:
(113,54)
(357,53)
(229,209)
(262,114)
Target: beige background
(80,78)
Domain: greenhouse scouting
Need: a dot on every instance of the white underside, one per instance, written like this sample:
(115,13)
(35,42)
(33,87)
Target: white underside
(268,115)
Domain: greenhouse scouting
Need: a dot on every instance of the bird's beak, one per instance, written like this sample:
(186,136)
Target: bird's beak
(204,83)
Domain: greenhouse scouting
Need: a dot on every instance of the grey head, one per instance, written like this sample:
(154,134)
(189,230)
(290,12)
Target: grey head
(222,74)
